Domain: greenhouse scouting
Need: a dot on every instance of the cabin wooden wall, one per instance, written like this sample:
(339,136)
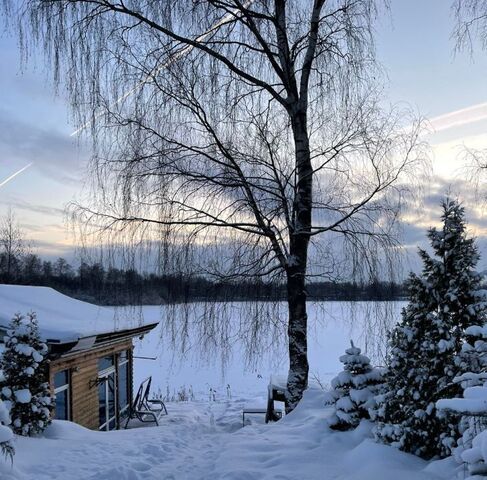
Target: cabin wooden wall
(83,368)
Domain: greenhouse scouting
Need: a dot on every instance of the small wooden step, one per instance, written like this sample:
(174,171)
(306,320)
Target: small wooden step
(255,410)
(277,413)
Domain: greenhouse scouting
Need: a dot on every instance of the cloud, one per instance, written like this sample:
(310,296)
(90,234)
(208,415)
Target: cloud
(53,152)
(417,218)
(53,250)
(435,190)
(23,205)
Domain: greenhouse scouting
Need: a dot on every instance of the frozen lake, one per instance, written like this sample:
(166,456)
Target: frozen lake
(202,364)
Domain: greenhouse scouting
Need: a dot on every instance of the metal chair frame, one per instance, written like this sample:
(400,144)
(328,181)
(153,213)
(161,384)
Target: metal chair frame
(142,407)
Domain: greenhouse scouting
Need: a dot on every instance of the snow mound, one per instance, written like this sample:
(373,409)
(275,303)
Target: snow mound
(64,430)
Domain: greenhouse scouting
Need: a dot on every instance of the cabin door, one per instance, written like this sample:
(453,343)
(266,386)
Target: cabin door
(107,397)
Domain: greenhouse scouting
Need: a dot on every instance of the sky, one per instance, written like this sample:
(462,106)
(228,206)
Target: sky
(414,46)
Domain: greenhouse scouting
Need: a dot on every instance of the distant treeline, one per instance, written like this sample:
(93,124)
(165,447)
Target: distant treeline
(114,286)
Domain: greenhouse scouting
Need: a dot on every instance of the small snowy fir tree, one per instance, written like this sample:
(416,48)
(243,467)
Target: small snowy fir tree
(25,389)
(443,303)
(353,390)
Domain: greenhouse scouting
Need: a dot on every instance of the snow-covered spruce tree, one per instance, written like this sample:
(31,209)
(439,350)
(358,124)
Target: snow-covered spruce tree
(353,390)
(476,456)
(25,389)
(443,303)
(472,446)
(6,434)
(472,359)
(471,409)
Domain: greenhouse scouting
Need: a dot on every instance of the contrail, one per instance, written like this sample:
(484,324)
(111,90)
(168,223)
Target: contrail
(457,118)
(18,172)
(185,50)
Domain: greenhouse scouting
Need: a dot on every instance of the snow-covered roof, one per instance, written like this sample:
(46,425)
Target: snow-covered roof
(63,318)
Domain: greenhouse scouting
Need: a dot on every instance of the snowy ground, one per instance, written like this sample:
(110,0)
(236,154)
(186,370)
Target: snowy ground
(203,439)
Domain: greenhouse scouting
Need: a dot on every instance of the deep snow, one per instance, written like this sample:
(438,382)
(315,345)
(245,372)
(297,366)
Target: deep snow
(204,439)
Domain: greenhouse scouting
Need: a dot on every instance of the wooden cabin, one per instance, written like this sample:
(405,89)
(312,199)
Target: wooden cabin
(90,352)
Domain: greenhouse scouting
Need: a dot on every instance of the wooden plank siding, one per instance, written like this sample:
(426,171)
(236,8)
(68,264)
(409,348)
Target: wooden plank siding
(83,368)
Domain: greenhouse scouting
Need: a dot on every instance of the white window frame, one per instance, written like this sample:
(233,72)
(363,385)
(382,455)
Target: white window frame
(103,377)
(121,363)
(65,387)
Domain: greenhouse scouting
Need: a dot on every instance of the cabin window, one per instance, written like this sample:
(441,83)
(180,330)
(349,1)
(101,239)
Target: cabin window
(62,394)
(123,382)
(105,363)
(107,388)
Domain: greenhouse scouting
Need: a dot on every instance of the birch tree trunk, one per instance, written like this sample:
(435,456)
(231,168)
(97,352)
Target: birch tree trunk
(298,262)
(297,333)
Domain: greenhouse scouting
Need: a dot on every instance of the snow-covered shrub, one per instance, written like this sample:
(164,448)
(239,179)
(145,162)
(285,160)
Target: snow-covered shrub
(473,411)
(423,347)
(183,394)
(353,390)
(472,359)
(472,408)
(6,434)
(25,389)
(476,457)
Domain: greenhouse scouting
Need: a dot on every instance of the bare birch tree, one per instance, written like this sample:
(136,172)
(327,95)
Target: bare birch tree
(470,31)
(251,125)
(470,23)
(12,247)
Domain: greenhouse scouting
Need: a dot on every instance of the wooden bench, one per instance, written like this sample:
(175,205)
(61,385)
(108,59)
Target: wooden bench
(145,409)
(252,411)
(276,392)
